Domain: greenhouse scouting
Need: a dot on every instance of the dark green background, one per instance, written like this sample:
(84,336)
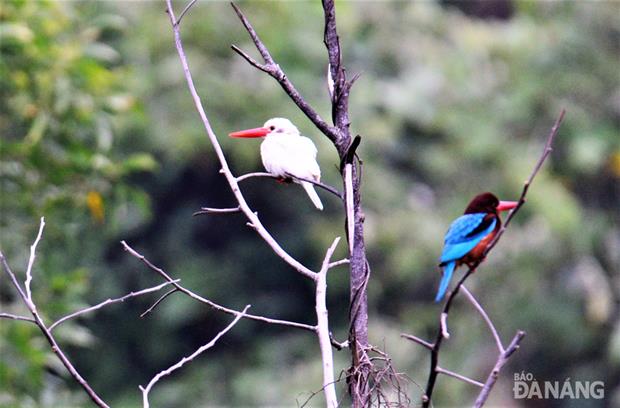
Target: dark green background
(452,101)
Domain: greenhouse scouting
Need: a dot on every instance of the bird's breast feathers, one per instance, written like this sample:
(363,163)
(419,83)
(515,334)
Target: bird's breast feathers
(296,155)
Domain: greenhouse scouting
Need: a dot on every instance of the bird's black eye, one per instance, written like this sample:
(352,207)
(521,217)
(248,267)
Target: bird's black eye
(272,128)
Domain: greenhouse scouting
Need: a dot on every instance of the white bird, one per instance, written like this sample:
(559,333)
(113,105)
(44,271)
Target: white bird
(285,153)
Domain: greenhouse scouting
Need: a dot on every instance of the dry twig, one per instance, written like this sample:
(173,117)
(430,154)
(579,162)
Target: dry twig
(30,304)
(184,360)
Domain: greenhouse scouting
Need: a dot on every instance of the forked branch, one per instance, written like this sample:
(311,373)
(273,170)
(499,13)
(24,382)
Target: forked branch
(30,304)
(195,296)
(273,69)
(502,359)
(185,360)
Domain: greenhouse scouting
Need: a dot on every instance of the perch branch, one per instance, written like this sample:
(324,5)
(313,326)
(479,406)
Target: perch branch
(232,181)
(325,187)
(107,302)
(213,305)
(184,360)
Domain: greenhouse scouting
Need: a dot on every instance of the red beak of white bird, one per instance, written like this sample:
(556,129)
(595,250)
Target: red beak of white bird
(285,152)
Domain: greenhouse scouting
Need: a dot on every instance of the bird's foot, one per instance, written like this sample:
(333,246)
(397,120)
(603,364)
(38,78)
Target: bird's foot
(284,180)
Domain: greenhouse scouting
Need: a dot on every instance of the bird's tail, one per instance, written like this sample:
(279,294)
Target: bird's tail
(312,194)
(445,280)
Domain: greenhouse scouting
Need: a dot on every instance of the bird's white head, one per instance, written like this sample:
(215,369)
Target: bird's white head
(273,126)
(281,125)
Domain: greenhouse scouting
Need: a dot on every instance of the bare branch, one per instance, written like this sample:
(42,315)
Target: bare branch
(256,174)
(325,187)
(265,68)
(443,322)
(337,344)
(33,249)
(332,43)
(322,329)
(418,340)
(185,10)
(107,302)
(14,280)
(274,70)
(207,210)
(214,305)
(254,36)
(440,336)
(158,301)
(184,360)
(232,181)
(17,317)
(330,82)
(546,152)
(338,263)
(348,183)
(459,377)
(485,316)
(501,361)
(341,87)
(48,335)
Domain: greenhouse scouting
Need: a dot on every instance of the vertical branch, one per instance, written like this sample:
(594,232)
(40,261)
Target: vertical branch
(33,249)
(340,94)
(322,330)
(358,335)
(348,182)
(339,134)
(441,334)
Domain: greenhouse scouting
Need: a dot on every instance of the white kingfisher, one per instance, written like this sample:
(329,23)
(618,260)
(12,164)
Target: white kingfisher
(285,153)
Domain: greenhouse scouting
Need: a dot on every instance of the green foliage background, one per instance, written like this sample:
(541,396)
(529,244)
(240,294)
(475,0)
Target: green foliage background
(99,135)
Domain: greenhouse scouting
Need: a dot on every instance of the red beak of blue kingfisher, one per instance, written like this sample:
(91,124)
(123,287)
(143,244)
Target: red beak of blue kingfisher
(507,205)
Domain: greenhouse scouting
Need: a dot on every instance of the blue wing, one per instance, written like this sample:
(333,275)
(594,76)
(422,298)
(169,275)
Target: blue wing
(459,239)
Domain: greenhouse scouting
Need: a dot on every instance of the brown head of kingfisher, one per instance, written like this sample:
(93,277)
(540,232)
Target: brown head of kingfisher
(285,153)
(470,234)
